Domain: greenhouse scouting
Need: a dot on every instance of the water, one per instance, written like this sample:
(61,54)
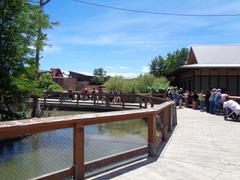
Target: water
(43,153)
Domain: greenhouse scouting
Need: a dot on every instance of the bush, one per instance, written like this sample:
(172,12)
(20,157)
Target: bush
(143,84)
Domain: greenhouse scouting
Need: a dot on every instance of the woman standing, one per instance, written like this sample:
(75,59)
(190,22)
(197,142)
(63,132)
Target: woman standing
(208,94)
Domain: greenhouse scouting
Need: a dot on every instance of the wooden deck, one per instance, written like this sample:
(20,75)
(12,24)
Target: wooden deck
(202,147)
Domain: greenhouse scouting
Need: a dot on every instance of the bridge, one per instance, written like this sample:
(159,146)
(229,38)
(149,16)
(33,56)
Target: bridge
(105,101)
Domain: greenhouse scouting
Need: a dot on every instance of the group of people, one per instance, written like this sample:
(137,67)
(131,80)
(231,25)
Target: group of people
(95,93)
(211,100)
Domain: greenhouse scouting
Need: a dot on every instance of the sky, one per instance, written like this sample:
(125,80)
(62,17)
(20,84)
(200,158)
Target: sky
(124,43)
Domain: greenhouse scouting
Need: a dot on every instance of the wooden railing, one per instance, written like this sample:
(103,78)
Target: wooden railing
(165,114)
(79,99)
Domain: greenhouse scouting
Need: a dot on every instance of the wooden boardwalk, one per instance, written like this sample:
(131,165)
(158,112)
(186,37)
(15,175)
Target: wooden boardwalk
(88,104)
(202,147)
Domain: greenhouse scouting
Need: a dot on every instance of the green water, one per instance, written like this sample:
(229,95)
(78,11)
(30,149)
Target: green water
(43,153)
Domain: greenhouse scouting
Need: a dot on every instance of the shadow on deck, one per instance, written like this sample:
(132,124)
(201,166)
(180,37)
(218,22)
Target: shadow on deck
(141,162)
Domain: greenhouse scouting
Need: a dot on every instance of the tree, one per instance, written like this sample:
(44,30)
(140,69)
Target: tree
(46,83)
(99,76)
(163,66)
(42,23)
(157,66)
(100,72)
(143,84)
(20,22)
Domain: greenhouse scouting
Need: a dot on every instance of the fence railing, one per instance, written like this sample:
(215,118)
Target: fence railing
(77,99)
(160,120)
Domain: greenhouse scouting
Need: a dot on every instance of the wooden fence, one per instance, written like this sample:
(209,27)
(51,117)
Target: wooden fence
(162,116)
(104,101)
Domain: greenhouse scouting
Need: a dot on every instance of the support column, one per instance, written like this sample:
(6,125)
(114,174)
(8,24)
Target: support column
(152,135)
(78,152)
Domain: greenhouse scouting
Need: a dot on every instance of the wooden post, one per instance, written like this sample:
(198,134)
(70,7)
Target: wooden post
(78,97)
(140,102)
(45,100)
(145,102)
(175,115)
(152,135)
(165,123)
(94,99)
(107,100)
(152,103)
(61,99)
(78,152)
(170,119)
(123,101)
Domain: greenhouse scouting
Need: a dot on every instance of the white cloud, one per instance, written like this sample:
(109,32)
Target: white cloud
(145,69)
(128,75)
(51,48)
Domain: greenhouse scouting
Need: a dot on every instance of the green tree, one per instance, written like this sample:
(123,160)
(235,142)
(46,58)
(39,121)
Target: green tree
(115,83)
(46,83)
(163,66)
(19,22)
(158,67)
(99,76)
(143,84)
(100,72)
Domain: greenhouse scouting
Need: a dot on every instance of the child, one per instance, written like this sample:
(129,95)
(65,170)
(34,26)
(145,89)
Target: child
(208,94)
(186,98)
(201,100)
(195,100)
(181,97)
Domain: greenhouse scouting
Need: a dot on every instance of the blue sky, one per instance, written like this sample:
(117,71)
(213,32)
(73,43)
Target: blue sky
(124,43)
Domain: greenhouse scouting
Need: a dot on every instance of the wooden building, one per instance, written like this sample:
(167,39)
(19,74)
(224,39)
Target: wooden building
(66,82)
(73,81)
(83,80)
(211,66)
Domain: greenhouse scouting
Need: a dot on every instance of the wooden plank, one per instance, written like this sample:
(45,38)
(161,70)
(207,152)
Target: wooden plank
(78,152)
(158,140)
(90,166)
(165,123)
(68,172)
(152,135)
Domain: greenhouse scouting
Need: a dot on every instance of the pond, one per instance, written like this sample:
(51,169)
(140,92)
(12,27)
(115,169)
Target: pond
(47,152)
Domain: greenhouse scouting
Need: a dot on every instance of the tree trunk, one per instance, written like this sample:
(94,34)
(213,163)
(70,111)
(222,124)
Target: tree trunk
(36,112)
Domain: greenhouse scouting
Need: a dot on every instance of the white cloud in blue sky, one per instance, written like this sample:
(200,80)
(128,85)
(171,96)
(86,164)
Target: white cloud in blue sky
(124,43)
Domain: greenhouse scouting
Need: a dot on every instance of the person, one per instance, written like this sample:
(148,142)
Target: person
(217,101)
(181,97)
(85,93)
(201,100)
(175,96)
(93,93)
(208,94)
(169,93)
(195,100)
(224,97)
(211,101)
(186,98)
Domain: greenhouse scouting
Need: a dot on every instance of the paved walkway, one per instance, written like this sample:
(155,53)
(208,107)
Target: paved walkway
(202,147)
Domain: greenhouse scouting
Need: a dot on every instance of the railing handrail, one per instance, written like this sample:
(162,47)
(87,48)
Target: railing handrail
(78,122)
(21,127)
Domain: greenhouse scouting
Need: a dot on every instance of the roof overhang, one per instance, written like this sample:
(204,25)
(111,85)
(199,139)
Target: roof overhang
(209,66)
(205,66)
